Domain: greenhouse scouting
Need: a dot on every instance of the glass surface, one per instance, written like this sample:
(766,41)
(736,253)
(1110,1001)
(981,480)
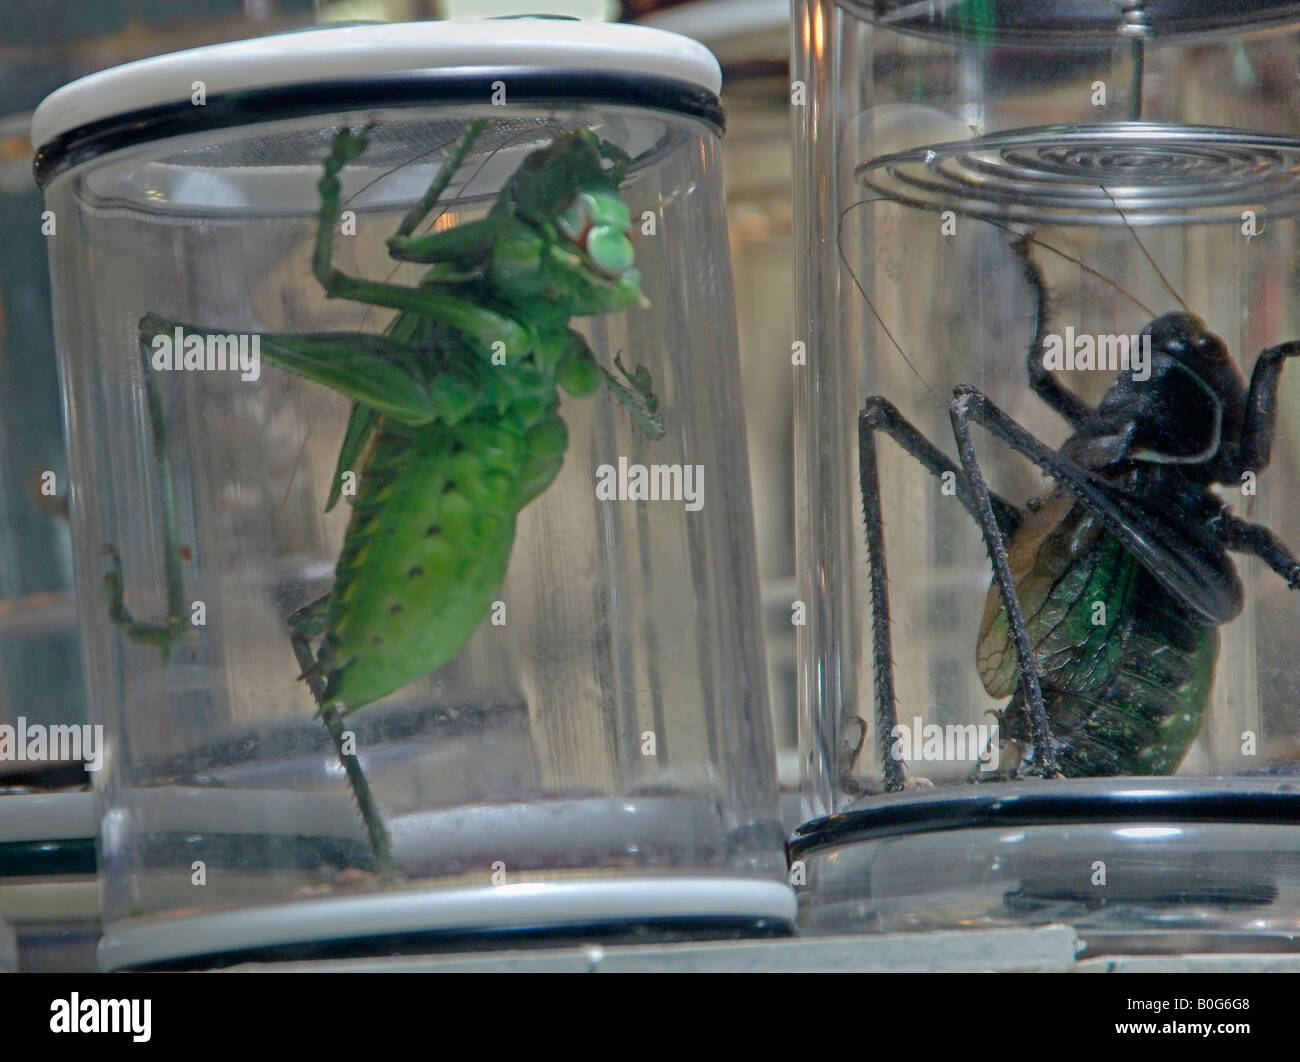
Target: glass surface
(930,165)
(757,165)
(609,718)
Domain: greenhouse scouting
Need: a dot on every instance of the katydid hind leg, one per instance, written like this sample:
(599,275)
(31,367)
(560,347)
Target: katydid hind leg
(1044,756)
(381,372)
(880,415)
(305,624)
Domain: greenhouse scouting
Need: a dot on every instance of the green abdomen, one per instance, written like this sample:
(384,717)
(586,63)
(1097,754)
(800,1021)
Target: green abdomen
(425,554)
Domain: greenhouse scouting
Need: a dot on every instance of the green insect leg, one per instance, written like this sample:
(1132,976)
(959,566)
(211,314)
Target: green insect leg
(165,632)
(578,371)
(378,371)
(470,241)
(161,634)
(483,325)
(381,370)
(305,624)
(445,173)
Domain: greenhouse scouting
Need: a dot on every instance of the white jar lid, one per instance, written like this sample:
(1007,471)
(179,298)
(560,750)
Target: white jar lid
(354,53)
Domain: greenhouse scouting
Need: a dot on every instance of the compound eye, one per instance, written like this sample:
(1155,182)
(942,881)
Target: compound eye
(574,219)
(609,250)
(1206,343)
(610,210)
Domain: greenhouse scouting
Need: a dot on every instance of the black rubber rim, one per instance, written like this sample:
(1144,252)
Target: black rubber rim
(1040,806)
(414,88)
(34,859)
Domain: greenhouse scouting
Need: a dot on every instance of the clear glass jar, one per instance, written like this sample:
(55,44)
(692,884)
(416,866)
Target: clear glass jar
(983,190)
(752,42)
(595,750)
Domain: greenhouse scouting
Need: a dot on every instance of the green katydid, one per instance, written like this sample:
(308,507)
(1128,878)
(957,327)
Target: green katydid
(454,425)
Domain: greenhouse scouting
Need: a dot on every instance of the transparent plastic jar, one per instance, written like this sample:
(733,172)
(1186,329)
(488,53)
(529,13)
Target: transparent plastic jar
(752,42)
(983,190)
(596,756)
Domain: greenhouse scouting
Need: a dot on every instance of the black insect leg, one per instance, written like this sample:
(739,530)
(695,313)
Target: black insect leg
(1245,537)
(1261,406)
(1254,453)
(1042,379)
(880,415)
(305,624)
(967,403)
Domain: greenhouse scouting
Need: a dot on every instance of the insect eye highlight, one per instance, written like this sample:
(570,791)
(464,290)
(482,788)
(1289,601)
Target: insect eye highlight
(574,220)
(609,249)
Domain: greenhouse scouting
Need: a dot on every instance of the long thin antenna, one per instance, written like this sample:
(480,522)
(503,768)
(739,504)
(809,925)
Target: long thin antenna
(1097,274)
(839,246)
(1018,234)
(1138,239)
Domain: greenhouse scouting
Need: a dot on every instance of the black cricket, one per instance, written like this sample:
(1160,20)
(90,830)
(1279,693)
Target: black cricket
(1131,521)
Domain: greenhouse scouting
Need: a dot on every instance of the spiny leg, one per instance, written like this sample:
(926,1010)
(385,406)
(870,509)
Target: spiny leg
(445,173)
(1261,405)
(483,325)
(1245,537)
(305,624)
(967,402)
(164,633)
(378,371)
(145,633)
(1042,379)
(644,404)
(881,415)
